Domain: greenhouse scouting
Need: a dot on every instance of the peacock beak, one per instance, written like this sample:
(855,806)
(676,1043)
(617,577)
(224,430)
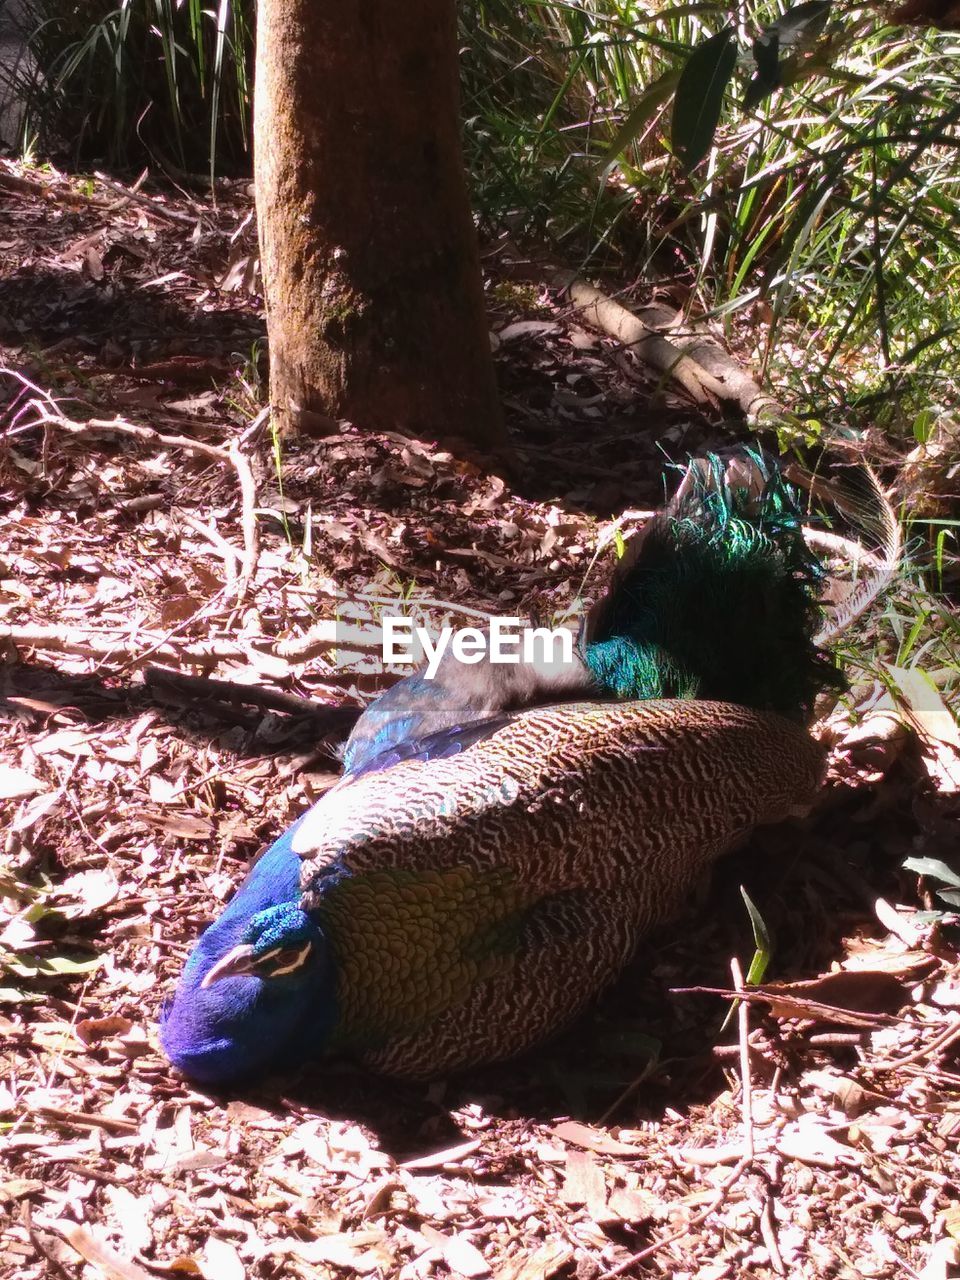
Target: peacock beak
(235,964)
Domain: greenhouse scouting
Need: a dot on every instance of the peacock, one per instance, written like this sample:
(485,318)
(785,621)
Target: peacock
(501,838)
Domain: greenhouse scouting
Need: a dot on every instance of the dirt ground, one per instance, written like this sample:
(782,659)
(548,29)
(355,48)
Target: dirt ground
(171,699)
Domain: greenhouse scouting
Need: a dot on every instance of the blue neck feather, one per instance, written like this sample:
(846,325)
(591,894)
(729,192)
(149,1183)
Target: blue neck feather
(243,1024)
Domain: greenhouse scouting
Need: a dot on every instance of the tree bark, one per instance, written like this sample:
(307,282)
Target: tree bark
(371,269)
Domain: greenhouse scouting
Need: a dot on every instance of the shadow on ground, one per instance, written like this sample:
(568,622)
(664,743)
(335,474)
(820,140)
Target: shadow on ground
(197,710)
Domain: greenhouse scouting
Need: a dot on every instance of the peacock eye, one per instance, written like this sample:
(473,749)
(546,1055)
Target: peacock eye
(280,961)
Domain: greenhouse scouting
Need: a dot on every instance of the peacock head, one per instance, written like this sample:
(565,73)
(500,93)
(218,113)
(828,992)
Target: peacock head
(258,986)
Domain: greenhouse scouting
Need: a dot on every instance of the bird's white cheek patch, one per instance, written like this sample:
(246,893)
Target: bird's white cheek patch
(289,960)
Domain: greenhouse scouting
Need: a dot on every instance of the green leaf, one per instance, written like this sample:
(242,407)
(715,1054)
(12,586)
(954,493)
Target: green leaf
(766,78)
(761,956)
(934,869)
(796,28)
(641,111)
(699,98)
(799,26)
(923,425)
(761,938)
(64,965)
(13,995)
(951,896)
(22,965)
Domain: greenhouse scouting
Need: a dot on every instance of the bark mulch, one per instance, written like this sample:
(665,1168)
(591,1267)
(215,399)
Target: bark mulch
(188,627)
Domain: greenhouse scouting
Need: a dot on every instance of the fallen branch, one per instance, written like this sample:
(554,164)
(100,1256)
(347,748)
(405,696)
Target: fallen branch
(746,1076)
(102,647)
(704,370)
(156,207)
(336,718)
(248,517)
(227,552)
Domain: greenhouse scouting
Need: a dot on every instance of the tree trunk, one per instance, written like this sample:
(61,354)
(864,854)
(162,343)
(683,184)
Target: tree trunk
(370,262)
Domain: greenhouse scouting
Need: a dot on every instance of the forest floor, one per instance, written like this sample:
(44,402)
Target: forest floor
(172,700)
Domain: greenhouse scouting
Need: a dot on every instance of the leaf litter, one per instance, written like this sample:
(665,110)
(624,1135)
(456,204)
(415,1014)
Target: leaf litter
(174,695)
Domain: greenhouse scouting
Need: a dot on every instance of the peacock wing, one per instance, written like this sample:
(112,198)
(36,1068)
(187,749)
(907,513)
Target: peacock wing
(577,795)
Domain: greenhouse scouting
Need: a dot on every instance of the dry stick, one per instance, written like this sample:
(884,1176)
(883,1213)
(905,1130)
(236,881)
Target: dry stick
(427,602)
(601,311)
(102,649)
(226,550)
(765,1218)
(684,362)
(768,1233)
(217,690)
(941,1041)
(746,1077)
(42,1250)
(148,202)
(248,518)
(320,637)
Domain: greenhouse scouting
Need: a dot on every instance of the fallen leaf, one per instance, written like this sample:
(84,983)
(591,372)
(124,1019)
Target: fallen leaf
(851,1097)
(856,990)
(86,893)
(361,1251)
(951,1220)
(808,1142)
(182,1266)
(449,1155)
(20,1188)
(584,1183)
(933,721)
(582,1135)
(221,1261)
(68,742)
(130,1212)
(943,1258)
(38,808)
(527,328)
(543,1264)
(17,784)
(458,1252)
(632,1206)
(94,1250)
(92,1030)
